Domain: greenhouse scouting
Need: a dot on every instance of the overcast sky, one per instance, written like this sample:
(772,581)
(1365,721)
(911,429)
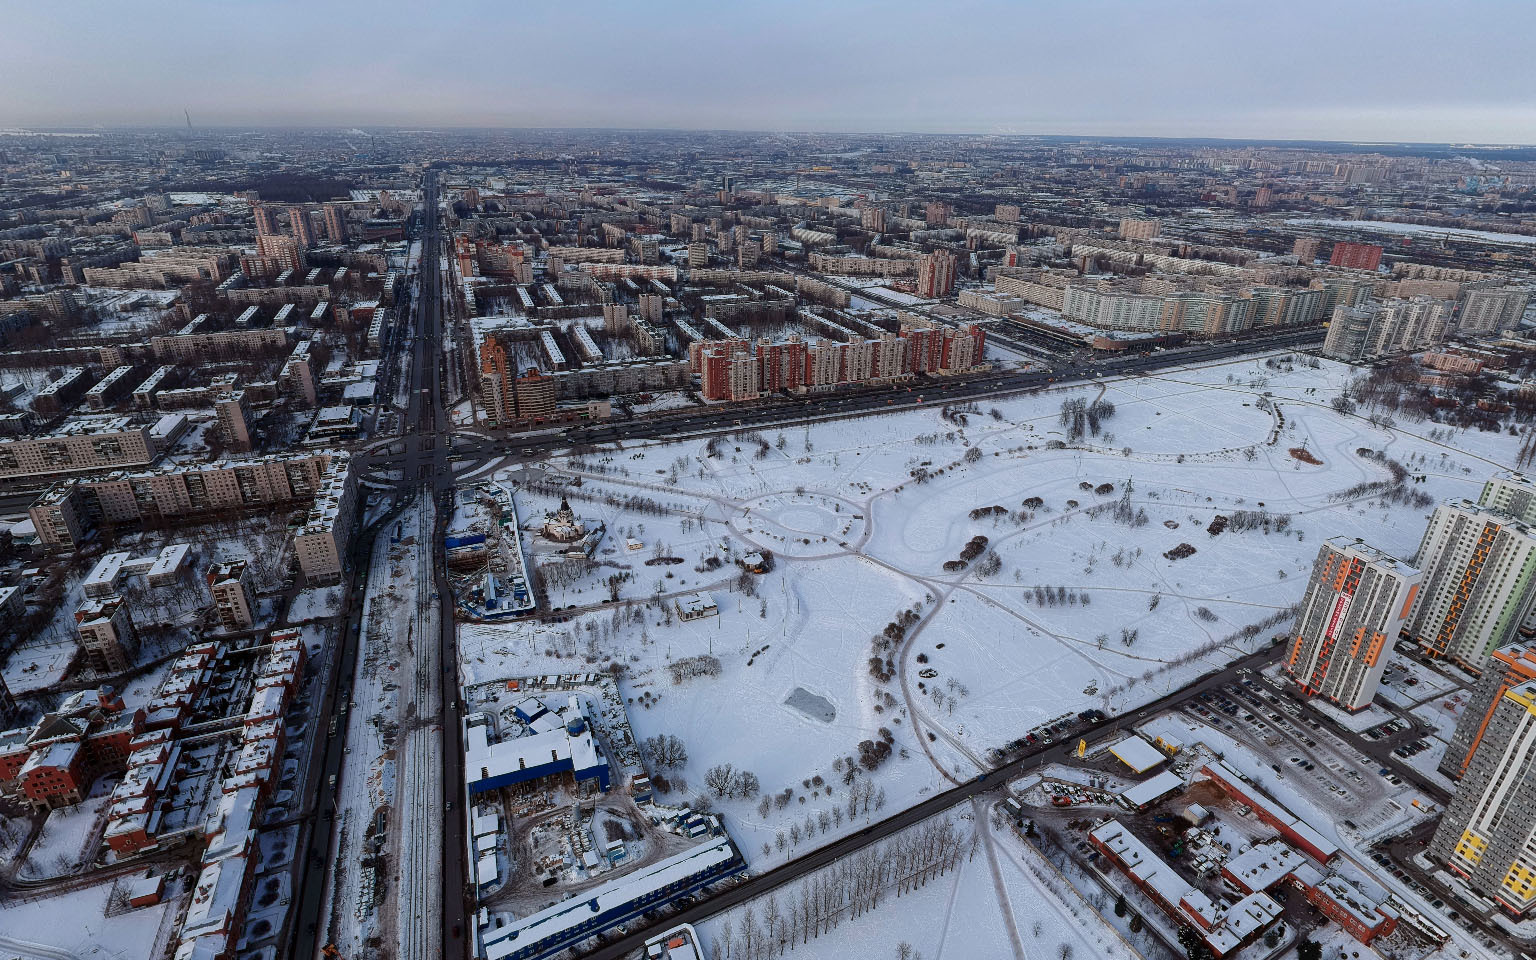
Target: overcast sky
(1345,69)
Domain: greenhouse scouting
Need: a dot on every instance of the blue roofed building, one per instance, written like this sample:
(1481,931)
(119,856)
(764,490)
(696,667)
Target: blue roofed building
(557,744)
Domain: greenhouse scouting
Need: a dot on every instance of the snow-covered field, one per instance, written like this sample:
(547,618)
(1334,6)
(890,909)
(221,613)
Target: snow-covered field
(1079,609)
(69,835)
(77,925)
(998,902)
(1411,229)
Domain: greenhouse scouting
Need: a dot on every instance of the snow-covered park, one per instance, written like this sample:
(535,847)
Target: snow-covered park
(890,647)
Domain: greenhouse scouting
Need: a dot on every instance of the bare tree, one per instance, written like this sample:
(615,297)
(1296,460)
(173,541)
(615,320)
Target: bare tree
(719,779)
(665,751)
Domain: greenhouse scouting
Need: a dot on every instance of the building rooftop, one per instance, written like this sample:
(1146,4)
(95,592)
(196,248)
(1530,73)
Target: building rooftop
(570,914)
(1264,864)
(1137,754)
(1150,790)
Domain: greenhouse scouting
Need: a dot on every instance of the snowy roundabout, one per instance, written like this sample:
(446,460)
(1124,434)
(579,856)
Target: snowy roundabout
(801,524)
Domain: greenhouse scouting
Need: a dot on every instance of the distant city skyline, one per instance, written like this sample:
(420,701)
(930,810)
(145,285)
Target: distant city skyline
(1360,71)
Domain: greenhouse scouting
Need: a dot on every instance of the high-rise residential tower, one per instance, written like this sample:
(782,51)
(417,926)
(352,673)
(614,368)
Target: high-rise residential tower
(1508,668)
(1479,569)
(1488,833)
(1350,616)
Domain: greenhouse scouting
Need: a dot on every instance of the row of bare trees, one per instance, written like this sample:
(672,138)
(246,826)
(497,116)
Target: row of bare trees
(846,890)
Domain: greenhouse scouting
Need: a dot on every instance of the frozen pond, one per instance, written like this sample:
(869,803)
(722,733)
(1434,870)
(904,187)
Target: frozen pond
(812,705)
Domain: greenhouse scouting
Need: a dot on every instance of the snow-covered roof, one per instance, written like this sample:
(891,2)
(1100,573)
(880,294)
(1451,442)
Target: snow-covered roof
(146,886)
(102,580)
(60,753)
(1149,791)
(267,702)
(1304,833)
(486,870)
(1251,914)
(485,823)
(563,917)
(1140,862)
(1352,900)
(231,826)
(216,897)
(484,760)
(1264,864)
(208,946)
(1137,754)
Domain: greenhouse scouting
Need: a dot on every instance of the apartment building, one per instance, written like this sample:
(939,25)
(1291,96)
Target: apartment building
(1285,306)
(53,763)
(302,226)
(1348,333)
(107,638)
(1350,616)
(67,513)
(1206,312)
(585,254)
(1485,310)
(1345,291)
(534,393)
(855,266)
(233,414)
(496,396)
(1382,327)
(1355,256)
(1479,570)
(1487,836)
(162,270)
(1508,667)
(58,516)
(335,222)
(219,344)
(1133,229)
(936,274)
(229,581)
(266,220)
(81,446)
(1111,310)
(299,374)
(61,393)
(111,388)
(306,295)
(729,372)
(1512,493)
(320,543)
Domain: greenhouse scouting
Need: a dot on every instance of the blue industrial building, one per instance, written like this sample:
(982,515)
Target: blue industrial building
(568,923)
(560,743)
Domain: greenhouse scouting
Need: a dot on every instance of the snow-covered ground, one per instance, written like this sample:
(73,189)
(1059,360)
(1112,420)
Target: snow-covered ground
(998,902)
(1079,609)
(69,835)
(1412,229)
(76,925)
(314,603)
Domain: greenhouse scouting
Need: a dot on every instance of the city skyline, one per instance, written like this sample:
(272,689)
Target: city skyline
(1364,72)
(668,481)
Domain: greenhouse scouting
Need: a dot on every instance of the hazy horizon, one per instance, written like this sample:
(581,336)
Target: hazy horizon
(1365,72)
